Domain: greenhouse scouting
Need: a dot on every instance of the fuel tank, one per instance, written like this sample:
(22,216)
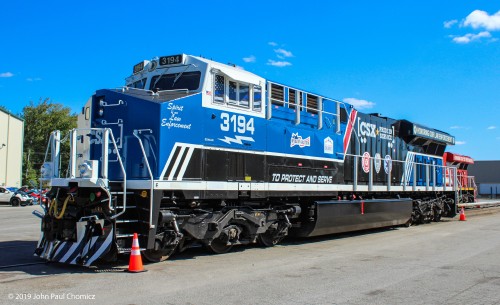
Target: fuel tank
(353,215)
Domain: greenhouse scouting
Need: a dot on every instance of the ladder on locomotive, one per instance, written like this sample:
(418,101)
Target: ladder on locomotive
(126,217)
(134,218)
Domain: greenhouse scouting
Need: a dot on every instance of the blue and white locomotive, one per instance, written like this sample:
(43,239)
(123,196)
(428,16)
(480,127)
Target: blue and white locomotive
(195,152)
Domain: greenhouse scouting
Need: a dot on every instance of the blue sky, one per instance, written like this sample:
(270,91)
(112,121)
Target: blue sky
(436,63)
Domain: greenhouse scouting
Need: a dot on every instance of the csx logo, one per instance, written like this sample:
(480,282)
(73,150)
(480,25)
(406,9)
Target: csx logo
(367,129)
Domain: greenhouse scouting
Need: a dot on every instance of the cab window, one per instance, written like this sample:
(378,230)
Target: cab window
(244,98)
(237,93)
(175,81)
(233,92)
(257,98)
(140,84)
(219,87)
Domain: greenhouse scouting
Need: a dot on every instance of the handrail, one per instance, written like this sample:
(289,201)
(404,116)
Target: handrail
(53,146)
(429,174)
(108,132)
(136,132)
(318,110)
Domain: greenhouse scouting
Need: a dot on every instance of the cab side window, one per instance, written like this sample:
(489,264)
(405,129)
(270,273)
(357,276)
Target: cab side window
(219,91)
(233,89)
(244,91)
(257,98)
(237,93)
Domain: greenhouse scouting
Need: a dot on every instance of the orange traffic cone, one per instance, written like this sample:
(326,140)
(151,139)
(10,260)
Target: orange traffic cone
(135,264)
(462,214)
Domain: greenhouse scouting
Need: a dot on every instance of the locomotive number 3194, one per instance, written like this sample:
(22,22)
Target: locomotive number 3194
(236,123)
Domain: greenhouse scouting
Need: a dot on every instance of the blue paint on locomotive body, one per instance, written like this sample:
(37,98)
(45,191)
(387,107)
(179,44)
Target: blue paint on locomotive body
(210,118)
(185,120)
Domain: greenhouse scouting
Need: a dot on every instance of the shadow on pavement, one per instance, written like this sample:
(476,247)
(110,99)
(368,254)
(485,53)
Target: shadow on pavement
(18,256)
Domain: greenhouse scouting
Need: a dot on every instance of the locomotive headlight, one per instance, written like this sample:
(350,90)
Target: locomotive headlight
(89,169)
(84,169)
(101,112)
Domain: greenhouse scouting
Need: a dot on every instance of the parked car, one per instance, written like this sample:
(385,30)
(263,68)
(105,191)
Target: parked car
(14,198)
(38,196)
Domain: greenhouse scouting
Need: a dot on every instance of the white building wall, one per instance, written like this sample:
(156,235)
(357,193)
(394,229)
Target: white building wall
(11,149)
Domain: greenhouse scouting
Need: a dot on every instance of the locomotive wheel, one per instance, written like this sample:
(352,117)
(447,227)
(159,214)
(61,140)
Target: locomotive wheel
(268,239)
(437,217)
(219,246)
(158,254)
(224,242)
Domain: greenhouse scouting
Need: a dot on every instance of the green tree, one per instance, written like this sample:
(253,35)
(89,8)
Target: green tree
(39,121)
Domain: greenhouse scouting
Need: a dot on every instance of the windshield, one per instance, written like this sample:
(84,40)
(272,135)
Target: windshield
(140,84)
(187,80)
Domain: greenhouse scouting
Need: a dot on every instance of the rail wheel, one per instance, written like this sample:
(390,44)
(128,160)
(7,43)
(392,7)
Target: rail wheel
(268,239)
(226,239)
(158,253)
(276,232)
(219,246)
(437,216)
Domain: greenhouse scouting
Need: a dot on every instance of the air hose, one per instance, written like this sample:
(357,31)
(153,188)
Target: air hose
(53,207)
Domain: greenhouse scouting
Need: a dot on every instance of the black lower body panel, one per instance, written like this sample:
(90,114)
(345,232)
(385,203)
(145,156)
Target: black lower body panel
(354,215)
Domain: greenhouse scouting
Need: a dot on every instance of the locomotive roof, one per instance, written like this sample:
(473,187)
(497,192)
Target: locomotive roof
(150,67)
(414,131)
(454,157)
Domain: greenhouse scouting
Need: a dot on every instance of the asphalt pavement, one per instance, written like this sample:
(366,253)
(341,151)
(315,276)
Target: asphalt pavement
(450,262)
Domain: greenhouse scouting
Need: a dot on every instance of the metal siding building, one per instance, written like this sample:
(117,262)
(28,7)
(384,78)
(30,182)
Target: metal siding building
(11,149)
(487,176)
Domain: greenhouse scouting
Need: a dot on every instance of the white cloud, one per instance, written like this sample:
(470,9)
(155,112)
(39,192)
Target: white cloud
(460,143)
(481,19)
(6,74)
(282,53)
(450,23)
(357,103)
(471,37)
(460,127)
(280,64)
(272,43)
(35,79)
(250,58)
(492,127)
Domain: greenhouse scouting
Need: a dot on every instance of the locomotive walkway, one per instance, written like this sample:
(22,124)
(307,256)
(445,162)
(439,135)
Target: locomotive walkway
(451,262)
